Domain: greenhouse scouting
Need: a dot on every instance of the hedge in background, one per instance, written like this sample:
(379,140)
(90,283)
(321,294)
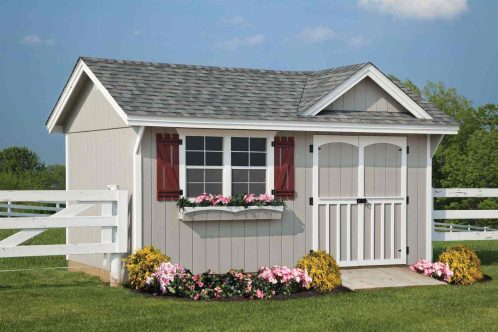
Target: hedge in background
(142,264)
(323,270)
(464,263)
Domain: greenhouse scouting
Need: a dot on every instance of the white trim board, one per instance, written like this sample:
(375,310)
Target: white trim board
(369,70)
(66,94)
(239,124)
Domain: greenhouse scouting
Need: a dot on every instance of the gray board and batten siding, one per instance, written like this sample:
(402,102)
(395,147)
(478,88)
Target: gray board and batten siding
(99,153)
(221,245)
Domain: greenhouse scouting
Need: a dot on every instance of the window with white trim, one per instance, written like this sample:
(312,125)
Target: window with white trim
(204,165)
(248,163)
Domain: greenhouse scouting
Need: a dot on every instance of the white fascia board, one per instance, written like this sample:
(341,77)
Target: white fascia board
(379,78)
(239,124)
(80,68)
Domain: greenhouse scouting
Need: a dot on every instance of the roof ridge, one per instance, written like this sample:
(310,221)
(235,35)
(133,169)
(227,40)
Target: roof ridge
(179,65)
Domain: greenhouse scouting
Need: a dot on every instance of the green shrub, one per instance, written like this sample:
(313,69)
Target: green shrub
(142,264)
(464,263)
(323,270)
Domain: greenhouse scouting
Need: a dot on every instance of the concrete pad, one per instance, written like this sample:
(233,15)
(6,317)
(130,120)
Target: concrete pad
(384,277)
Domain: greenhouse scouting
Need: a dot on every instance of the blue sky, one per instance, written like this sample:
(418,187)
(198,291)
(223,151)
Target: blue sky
(439,40)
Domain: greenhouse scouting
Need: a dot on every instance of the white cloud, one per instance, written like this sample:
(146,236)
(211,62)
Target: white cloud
(37,40)
(235,43)
(358,41)
(234,20)
(315,35)
(418,9)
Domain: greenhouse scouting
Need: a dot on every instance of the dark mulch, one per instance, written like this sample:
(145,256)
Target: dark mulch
(278,297)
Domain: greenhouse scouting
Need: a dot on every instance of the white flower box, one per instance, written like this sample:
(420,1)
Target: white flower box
(203,213)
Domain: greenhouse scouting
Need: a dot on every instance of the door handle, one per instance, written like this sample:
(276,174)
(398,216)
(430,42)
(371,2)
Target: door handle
(361,200)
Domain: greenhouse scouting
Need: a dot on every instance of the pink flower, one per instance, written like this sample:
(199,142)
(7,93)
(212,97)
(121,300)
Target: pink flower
(249,198)
(196,297)
(204,198)
(166,273)
(220,199)
(195,278)
(200,283)
(267,198)
(259,294)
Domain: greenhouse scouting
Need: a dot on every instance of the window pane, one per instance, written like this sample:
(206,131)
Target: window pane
(195,158)
(239,188)
(195,143)
(240,175)
(258,159)
(195,175)
(240,159)
(258,144)
(257,175)
(257,188)
(214,158)
(214,143)
(240,144)
(213,175)
(214,188)
(194,189)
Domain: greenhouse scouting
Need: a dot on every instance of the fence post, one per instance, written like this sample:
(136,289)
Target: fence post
(9,209)
(115,258)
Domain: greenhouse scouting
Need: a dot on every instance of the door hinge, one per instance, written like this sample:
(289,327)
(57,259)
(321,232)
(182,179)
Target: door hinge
(407,200)
(311,200)
(273,143)
(311,148)
(407,149)
(361,200)
(407,250)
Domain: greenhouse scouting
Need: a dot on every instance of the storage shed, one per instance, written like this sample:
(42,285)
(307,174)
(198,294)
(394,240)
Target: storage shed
(349,150)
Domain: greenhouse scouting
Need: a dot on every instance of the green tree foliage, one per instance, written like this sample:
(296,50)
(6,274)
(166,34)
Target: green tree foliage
(469,159)
(22,169)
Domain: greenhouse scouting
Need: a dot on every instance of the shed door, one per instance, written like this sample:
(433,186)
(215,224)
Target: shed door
(359,190)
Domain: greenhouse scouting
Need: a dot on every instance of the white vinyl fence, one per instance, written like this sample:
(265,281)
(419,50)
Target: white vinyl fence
(443,231)
(113,221)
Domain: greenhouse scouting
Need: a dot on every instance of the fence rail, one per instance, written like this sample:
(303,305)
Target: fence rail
(113,221)
(443,231)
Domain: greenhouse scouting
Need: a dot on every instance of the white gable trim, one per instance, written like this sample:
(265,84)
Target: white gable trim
(379,78)
(78,71)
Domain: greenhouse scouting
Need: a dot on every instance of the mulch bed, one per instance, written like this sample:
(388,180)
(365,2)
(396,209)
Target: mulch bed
(278,297)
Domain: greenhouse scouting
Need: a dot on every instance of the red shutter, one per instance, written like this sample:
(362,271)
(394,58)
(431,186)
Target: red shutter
(168,184)
(284,167)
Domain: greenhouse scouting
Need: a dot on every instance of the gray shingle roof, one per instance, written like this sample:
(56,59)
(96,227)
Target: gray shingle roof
(147,88)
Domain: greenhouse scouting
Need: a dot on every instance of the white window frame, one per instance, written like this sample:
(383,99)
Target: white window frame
(249,160)
(227,154)
(203,167)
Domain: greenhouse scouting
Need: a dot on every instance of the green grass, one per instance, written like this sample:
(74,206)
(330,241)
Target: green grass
(58,300)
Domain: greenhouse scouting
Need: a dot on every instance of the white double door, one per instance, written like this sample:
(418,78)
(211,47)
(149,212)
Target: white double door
(359,199)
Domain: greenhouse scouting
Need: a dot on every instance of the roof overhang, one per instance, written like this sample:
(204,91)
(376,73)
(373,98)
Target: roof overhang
(79,71)
(302,125)
(369,70)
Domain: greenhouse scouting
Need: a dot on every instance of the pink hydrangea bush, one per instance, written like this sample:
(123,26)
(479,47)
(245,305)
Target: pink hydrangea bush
(436,270)
(175,280)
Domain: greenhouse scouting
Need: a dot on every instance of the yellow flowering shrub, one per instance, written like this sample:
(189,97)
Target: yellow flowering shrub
(142,264)
(464,263)
(323,270)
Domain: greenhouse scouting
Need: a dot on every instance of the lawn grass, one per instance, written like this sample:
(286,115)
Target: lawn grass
(59,300)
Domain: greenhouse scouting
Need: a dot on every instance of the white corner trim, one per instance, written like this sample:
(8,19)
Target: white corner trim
(429,201)
(379,78)
(302,125)
(137,224)
(81,67)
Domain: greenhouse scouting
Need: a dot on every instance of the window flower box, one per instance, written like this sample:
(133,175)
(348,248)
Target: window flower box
(229,213)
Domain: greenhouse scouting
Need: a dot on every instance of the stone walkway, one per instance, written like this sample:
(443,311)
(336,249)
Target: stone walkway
(384,277)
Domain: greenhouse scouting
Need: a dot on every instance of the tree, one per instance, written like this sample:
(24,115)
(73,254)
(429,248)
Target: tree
(21,169)
(18,160)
